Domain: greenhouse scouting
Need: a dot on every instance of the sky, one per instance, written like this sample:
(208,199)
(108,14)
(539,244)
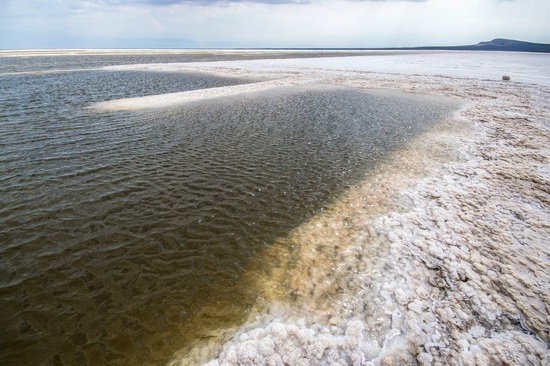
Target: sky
(268,23)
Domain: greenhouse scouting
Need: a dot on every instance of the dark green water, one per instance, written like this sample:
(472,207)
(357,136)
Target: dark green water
(117,230)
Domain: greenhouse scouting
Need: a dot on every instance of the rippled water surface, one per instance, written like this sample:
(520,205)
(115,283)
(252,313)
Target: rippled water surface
(125,236)
(83,61)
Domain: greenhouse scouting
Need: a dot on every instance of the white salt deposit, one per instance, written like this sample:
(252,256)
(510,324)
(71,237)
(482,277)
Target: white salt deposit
(172,99)
(441,256)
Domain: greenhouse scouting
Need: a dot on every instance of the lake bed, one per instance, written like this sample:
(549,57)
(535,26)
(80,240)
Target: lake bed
(416,243)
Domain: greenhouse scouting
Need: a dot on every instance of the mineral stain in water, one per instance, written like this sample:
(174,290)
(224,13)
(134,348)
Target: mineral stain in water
(125,236)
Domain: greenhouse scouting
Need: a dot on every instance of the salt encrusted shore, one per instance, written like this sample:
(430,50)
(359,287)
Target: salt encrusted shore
(440,257)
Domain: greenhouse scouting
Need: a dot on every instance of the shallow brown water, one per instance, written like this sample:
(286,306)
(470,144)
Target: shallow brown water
(125,236)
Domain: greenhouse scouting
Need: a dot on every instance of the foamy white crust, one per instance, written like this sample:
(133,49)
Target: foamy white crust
(440,257)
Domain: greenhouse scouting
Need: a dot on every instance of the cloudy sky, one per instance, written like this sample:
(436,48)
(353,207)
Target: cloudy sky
(267,23)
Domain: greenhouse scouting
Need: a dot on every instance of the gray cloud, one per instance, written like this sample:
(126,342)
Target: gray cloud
(385,1)
(209,2)
(203,2)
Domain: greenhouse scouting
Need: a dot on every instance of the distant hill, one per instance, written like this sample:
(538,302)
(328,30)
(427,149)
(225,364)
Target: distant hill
(497,44)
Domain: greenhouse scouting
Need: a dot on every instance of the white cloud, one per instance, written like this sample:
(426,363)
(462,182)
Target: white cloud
(263,23)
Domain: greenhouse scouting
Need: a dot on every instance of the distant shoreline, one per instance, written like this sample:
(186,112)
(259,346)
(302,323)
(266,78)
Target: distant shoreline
(498,44)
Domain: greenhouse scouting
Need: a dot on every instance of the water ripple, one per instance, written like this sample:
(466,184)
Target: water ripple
(125,236)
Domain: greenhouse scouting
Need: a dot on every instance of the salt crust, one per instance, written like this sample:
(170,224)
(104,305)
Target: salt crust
(173,99)
(440,257)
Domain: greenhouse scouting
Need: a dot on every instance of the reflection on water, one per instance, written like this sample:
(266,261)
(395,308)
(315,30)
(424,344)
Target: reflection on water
(125,236)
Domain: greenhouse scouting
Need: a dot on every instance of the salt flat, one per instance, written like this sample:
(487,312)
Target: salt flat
(439,257)
(488,66)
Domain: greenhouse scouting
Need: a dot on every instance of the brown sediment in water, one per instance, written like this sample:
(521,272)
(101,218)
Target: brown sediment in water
(309,270)
(327,240)
(318,244)
(266,279)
